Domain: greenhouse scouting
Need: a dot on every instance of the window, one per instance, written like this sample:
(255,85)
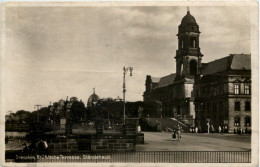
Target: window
(247,121)
(247,89)
(237,121)
(247,106)
(237,89)
(237,106)
(193,67)
(192,42)
(181,44)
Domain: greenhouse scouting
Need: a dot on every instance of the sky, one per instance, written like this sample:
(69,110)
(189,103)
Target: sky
(55,52)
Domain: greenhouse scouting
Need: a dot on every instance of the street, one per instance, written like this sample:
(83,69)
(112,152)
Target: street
(162,141)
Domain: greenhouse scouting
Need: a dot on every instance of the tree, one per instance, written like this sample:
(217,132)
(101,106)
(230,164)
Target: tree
(78,112)
(153,108)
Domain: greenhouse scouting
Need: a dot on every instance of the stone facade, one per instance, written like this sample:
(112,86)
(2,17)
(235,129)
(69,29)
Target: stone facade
(225,95)
(201,93)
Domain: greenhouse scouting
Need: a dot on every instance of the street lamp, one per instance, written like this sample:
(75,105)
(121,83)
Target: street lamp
(37,106)
(125,69)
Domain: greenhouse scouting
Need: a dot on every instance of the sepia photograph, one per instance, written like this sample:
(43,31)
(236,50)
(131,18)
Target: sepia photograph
(129,83)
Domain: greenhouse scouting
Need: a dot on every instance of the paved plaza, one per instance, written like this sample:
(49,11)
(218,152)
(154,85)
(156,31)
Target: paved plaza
(162,141)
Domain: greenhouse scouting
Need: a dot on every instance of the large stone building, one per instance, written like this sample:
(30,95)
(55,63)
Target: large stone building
(183,93)
(223,94)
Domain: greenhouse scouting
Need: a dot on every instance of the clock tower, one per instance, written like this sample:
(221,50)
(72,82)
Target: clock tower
(188,56)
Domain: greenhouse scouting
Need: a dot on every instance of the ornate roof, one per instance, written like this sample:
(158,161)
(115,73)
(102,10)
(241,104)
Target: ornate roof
(188,18)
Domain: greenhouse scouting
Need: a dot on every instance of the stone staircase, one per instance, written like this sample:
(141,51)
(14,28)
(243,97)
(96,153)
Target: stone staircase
(167,123)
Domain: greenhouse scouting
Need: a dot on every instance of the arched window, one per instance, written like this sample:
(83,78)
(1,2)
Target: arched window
(193,67)
(193,42)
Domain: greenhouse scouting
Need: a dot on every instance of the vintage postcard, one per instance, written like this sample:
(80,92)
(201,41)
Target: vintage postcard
(129,83)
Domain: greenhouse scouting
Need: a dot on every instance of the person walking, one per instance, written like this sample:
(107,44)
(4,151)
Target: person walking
(138,129)
(174,135)
(196,129)
(219,130)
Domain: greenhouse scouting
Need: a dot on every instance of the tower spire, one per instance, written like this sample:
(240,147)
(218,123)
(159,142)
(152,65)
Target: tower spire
(93,90)
(188,9)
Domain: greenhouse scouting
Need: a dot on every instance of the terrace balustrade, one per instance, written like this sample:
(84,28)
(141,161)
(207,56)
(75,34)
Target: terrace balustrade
(82,129)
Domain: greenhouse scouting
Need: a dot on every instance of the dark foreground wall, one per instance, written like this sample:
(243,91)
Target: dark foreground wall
(93,143)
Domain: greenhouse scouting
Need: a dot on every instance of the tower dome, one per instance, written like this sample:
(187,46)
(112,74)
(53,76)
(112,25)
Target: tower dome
(188,18)
(93,98)
(188,24)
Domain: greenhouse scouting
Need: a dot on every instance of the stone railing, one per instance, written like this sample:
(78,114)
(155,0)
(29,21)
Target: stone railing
(83,129)
(112,129)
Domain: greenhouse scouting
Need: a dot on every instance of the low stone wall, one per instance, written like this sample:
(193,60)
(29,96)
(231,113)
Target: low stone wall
(115,145)
(62,145)
(92,144)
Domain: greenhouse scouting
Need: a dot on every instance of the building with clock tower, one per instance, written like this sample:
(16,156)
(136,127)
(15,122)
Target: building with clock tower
(199,94)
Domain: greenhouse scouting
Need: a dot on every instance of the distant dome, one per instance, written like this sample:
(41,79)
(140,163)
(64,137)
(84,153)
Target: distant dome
(188,18)
(93,98)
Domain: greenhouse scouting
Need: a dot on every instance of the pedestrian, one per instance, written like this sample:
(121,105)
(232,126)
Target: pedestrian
(139,129)
(196,129)
(174,135)
(219,129)
(42,147)
(45,147)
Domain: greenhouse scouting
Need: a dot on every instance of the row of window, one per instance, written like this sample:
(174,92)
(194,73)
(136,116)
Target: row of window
(211,91)
(220,89)
(216,107)
(168,96)
(247,121)
(192,43)
(237,89)
(247,106)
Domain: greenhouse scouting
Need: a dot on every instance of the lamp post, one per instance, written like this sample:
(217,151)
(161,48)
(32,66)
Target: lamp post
(37,106)
(125,69)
